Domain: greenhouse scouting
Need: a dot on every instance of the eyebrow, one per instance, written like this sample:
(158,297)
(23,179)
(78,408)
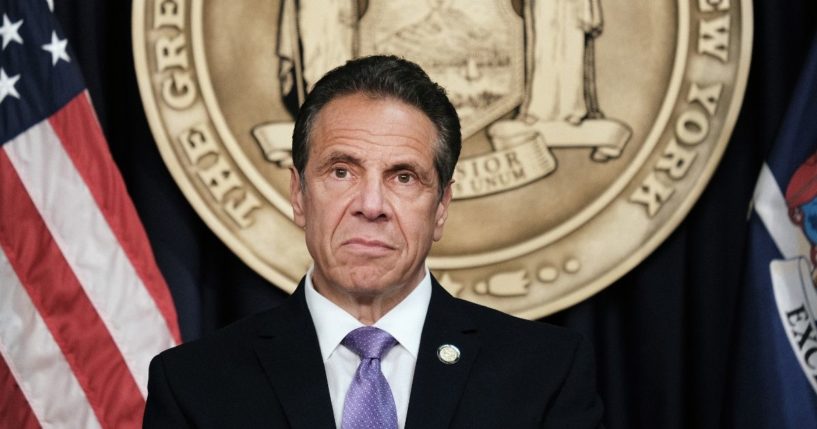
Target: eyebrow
(336,157)
(410,166)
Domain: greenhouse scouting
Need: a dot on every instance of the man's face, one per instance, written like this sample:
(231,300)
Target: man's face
(370,205)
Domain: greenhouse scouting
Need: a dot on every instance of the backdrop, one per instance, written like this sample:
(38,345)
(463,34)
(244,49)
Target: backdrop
(664,334)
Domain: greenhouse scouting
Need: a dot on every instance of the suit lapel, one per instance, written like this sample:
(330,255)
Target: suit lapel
(437,386)
(287,347)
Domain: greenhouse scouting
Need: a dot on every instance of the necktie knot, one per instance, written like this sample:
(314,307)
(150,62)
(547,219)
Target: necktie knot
(369,342)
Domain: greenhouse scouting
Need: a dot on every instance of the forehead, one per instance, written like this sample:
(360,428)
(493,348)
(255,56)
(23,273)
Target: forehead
(373,124)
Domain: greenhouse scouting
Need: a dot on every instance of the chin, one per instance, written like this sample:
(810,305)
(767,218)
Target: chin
(377,280)
(371,280)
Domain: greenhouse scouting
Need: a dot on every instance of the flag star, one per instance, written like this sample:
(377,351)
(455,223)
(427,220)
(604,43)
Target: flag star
(7,85)
(9,31)
(50,5)
(57,49)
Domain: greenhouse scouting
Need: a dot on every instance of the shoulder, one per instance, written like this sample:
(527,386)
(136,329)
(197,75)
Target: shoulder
(221,379)
(220,347)
(502,327)
(500,332)
(522,361)
(542,349)
(238,338)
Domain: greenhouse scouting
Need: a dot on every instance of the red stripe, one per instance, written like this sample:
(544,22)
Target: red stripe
(14,409)
(76,126)
(61,301)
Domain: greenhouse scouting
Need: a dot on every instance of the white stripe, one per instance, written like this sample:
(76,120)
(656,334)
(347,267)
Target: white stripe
(90,248)
(773,211)
(35,360)
(793,288)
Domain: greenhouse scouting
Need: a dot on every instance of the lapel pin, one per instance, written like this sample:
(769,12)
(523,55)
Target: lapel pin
(448,354)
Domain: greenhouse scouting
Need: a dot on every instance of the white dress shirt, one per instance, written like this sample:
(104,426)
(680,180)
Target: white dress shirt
(404,322)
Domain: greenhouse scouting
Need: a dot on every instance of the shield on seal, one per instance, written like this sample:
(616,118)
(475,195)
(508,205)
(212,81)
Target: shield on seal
(473,49)
(476,50)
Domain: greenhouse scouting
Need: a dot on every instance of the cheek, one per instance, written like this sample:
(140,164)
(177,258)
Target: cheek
(419,227)
(323,219)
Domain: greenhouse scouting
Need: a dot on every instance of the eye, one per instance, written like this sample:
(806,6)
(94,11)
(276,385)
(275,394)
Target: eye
(404,178)
(340,173)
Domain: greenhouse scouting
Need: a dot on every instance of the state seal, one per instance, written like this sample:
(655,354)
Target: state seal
(590,126)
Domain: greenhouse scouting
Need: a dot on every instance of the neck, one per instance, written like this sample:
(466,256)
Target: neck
(367,308)
(368,312)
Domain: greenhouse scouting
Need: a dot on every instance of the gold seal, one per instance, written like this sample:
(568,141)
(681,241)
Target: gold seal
(590,126)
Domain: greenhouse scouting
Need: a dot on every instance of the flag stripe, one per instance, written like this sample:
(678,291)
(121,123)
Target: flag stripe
(90,248)
(14,409)
(770,206)
(58,296)
(30,351)
(82,138)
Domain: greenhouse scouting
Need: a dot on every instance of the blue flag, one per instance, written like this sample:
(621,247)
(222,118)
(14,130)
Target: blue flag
(775,378)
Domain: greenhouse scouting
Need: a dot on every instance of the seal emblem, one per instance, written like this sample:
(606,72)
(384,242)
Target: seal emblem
(590,126)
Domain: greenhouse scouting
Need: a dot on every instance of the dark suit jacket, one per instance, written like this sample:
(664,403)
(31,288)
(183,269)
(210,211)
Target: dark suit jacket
(266,372)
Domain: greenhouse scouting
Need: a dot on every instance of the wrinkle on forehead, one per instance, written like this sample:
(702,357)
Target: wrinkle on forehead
(395,124)
(390,111)
(338,145)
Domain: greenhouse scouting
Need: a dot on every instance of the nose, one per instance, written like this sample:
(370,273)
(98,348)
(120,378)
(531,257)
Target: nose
(371,203)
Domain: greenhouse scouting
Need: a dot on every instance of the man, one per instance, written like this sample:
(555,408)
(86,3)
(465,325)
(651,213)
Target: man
(374,150)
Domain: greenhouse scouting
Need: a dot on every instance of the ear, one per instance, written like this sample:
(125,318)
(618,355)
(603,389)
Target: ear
(442,212)
(296,197)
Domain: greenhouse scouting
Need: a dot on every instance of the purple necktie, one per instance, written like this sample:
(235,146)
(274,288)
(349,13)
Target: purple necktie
(369,402)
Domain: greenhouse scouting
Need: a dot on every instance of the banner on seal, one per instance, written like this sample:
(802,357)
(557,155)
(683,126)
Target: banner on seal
(522,151)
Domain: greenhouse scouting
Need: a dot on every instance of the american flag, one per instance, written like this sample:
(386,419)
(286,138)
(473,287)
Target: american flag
(83,306)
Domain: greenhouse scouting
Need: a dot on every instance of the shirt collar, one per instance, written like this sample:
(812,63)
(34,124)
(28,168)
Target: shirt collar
(404,322)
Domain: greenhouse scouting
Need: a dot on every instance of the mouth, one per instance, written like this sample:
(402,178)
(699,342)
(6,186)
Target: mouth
(368,246)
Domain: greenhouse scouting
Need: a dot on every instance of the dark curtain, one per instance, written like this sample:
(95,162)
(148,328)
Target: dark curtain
(663,334)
